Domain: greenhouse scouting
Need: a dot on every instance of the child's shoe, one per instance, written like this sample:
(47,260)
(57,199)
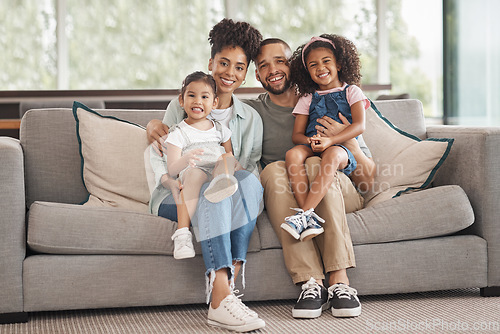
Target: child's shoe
(221,187)
(183,244)
(295,224)
(313,228)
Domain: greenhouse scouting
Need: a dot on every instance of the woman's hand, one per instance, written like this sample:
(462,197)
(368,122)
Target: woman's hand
(157,133)
(175,186)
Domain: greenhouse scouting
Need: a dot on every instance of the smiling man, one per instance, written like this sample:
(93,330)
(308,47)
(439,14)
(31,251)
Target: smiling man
(276,105)
(306,261)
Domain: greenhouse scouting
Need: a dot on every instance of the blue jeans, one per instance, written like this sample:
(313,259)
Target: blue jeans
(224,228)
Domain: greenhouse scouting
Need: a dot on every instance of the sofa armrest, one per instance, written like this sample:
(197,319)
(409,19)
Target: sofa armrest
(473,164)
(12,226)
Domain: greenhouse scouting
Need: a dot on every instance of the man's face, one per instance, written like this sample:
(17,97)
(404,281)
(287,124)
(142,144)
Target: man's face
(273,70)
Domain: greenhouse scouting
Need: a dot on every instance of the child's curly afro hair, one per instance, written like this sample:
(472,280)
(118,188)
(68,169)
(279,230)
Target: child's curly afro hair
(346,56)
(229,33)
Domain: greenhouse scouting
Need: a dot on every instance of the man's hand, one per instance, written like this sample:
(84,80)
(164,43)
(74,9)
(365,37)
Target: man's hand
(175,186)
(364,174)
(330,128)
(157,132)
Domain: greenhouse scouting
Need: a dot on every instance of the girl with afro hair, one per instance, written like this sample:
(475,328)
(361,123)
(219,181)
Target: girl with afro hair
(223,228)
(326,74)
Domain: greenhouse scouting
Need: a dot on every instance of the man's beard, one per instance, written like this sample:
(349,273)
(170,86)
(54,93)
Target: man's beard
(276,90)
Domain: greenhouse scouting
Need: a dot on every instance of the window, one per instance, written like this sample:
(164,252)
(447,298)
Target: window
(125,44)
(472,76)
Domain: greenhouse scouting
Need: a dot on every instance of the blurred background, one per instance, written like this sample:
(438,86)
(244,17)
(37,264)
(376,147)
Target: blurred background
(442,52)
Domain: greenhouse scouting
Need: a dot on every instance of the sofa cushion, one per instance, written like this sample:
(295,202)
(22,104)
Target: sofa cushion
(52,160)
(56,228)
(112,152)
(404,161)
(424,214)
(268,238)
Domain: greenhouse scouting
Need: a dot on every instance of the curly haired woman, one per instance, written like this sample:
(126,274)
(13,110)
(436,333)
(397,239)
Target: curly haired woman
(223,228)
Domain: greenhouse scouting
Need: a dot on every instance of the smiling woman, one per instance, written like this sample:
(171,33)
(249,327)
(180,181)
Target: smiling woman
(225,226)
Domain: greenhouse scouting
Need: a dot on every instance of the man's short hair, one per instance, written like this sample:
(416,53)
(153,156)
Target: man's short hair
(273,40)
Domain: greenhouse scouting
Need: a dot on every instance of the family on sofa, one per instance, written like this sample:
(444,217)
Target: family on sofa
(417,215)
(318,110)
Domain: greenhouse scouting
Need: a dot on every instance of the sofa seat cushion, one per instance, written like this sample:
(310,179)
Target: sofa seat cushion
(424,214)
(427,213)
(268,238)
(56,228)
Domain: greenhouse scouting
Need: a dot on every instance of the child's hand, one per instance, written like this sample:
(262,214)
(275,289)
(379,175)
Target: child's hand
(193,156)
(319,143)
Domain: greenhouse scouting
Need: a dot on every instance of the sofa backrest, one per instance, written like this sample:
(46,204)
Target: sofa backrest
(408,115)
(51,155)
(52,161)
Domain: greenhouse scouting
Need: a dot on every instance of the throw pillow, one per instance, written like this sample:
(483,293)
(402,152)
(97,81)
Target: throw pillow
(404,162)
(112,153)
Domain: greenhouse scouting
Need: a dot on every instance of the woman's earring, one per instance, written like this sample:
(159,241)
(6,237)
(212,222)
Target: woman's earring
(244,82)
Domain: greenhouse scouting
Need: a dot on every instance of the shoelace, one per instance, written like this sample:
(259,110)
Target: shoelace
(298,219)
(310,289)
(310,213)
(252,313)
(343,291)
(183,240)
(239,309)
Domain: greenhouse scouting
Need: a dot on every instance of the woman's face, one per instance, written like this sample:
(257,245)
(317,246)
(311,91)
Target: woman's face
(229,69)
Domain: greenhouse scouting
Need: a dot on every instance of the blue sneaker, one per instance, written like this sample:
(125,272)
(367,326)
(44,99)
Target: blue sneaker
(313,227)
(295,224)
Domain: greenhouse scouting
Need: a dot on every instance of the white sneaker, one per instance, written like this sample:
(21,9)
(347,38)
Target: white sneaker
(221,187)
(183,244)
(232,314)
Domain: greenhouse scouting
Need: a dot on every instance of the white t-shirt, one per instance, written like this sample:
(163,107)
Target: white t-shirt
(223,116)
(197,136)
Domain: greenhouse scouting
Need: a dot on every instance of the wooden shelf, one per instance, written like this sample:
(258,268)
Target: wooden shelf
(10,124)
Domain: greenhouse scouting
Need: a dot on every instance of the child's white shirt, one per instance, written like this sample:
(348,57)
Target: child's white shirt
(197,136)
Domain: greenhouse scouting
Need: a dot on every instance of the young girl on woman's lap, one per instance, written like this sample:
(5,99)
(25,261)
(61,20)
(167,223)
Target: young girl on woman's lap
(195,147)
(326,72)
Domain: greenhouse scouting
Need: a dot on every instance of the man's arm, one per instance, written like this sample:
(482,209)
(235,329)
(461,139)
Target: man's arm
(364,173)
(157,130)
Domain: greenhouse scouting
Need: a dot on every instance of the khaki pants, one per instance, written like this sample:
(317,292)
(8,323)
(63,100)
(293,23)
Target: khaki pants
(330,251)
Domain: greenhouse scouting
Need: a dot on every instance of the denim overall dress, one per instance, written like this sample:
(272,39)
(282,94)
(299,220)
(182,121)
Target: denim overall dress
(331,105)
(212,151)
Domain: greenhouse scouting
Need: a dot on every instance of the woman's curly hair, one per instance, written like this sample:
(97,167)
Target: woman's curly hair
(346,56)
(229,33)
